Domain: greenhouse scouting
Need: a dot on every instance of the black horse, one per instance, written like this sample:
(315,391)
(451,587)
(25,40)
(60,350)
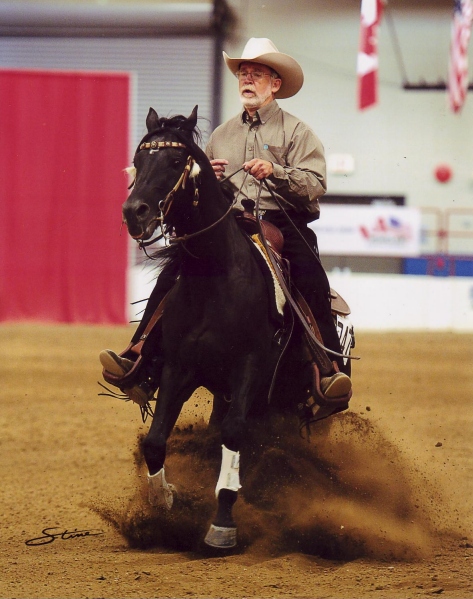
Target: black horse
(218,328)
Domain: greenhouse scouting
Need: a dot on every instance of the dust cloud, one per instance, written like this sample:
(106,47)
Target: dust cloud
(345,492)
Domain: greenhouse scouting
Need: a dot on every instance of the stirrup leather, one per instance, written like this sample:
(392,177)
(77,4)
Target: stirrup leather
(318,406)
(133,352)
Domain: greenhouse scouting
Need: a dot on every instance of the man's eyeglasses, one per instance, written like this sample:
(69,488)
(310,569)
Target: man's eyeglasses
(252,76)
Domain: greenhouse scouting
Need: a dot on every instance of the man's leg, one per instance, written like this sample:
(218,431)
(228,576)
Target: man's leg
(145,386)
(309,276)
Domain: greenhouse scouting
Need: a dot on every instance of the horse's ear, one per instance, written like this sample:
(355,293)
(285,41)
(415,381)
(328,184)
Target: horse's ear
(191,120)
(152,120)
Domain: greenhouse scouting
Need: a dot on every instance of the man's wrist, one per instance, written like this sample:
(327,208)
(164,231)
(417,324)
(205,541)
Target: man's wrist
(278,171)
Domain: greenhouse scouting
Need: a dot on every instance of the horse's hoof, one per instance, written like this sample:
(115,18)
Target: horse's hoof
(161,493)
(221,537)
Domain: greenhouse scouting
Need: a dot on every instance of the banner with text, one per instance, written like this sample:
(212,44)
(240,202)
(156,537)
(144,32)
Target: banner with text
(375,230)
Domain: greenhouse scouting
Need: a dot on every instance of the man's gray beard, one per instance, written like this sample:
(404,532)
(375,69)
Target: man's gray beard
(256,101)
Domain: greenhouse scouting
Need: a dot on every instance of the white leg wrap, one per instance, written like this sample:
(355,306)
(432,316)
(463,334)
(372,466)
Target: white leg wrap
(229,471)
(160,491)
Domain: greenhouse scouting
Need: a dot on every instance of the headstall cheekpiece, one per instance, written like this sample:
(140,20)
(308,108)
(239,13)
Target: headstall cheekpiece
(191,171)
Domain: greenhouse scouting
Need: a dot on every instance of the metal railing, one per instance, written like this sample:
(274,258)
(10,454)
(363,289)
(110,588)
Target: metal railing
(448,226)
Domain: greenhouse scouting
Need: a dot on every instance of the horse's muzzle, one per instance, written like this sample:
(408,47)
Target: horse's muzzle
(137,217)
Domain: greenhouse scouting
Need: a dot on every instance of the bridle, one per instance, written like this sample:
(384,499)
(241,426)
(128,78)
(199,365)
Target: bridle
(166,203)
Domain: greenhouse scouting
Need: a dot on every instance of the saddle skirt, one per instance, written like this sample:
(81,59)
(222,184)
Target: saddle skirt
(275,240)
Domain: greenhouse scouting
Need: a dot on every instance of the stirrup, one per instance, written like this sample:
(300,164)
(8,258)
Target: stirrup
(127,379)
(318,406)
(132,378)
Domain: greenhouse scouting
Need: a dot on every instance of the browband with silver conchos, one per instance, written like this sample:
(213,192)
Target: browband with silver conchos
(161,144)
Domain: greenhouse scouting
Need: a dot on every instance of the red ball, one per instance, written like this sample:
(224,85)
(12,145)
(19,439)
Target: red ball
(443,173)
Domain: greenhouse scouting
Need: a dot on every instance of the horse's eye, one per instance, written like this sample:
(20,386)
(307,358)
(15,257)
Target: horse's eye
(176,163)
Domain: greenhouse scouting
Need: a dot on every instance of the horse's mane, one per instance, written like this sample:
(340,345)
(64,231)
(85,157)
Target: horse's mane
(176,124)
(164,255)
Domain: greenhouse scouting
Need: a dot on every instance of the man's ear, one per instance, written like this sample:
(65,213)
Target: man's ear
(275,85)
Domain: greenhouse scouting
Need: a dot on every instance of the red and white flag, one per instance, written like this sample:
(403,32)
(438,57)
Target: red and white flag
(367,62)
(458,67)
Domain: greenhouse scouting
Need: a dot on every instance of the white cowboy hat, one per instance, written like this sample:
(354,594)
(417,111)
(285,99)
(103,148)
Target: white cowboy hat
(263,51)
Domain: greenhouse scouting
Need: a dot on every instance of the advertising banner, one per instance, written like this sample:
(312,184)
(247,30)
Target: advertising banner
(374,230)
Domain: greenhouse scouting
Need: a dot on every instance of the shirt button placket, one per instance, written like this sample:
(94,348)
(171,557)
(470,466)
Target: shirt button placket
(250,145)
(250,151)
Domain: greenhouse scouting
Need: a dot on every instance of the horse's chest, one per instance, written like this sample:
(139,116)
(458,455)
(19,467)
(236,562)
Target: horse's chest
(222,325)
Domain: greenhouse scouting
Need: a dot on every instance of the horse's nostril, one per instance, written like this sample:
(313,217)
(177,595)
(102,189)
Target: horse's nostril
(142,211)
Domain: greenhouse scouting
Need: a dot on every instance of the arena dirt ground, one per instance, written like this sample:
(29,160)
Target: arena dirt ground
(377,505)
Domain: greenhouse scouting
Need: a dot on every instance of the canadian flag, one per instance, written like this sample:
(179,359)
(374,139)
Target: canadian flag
(458,67)
(367,62)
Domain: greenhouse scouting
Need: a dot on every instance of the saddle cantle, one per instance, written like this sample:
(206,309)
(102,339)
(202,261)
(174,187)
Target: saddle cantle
(248,222)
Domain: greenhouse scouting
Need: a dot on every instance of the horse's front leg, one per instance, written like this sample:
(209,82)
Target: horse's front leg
(223,531)
(168,408)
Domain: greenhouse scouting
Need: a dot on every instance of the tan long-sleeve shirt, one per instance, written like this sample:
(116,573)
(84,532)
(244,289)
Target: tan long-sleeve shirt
(297,154)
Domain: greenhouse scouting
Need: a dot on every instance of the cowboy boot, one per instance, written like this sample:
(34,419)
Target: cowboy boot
(141,393)
(337,385)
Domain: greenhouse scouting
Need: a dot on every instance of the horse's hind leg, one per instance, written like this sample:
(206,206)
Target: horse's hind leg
(219,411)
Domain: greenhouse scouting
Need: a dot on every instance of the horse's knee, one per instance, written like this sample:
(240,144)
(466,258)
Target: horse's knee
(233,430)
(154,451)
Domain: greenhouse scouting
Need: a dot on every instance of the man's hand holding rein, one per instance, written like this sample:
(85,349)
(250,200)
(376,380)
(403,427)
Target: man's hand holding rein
(260,169)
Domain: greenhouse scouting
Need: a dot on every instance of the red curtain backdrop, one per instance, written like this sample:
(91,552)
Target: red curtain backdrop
(63,147)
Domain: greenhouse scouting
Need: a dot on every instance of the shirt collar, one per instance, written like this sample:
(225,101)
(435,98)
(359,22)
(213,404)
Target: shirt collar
(263,114)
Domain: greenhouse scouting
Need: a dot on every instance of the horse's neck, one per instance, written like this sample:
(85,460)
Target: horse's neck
(215,244)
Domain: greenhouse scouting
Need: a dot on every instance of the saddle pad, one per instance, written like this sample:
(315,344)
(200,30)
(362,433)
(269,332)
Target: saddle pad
(279,296)
(276,295)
